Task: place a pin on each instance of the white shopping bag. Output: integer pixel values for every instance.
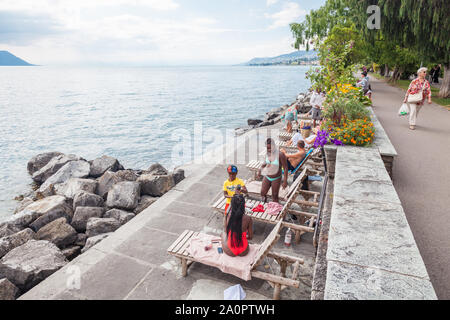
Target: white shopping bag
(404, 110)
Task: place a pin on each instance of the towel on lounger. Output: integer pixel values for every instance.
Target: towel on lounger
(237, 266)
(274, 208)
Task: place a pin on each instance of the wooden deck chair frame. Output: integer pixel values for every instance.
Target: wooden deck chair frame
(292, 187)
(179, 249)
(286, 136)
(299, 229)
(255, 165)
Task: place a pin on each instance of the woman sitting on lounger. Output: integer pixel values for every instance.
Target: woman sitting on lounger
(271, 170)
(238, 229)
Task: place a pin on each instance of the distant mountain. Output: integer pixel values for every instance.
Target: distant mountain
(8, 59)
(296, 57)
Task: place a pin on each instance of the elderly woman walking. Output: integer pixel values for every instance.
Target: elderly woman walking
(418, 91)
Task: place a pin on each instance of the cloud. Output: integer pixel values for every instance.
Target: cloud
(290, 12)
(22, 28)
(271, 2)
(60, 5)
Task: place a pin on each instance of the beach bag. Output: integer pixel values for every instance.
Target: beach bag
(305, 133)
(415, 98)
(404, 110)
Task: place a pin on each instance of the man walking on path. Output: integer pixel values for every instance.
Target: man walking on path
(421, 178)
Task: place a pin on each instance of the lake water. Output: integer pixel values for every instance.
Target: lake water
(127, 113)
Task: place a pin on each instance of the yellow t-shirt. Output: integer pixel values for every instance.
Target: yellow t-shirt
(230, 187)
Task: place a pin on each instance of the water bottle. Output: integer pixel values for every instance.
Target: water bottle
(288, 238)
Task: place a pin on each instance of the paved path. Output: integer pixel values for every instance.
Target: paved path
(421, 177)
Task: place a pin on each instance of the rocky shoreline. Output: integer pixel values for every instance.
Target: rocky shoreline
(275, 115)
(76, 204)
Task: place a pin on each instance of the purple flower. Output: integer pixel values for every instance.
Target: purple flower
(337, 142)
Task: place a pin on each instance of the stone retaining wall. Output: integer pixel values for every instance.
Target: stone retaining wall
(371, 252)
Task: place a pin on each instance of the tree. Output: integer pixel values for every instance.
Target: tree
(421, 26)
(413, 31)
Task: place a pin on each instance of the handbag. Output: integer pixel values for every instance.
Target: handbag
(417, 97)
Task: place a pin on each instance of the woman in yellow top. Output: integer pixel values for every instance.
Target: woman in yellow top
(232, 186)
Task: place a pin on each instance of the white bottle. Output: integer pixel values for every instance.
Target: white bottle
(288, 238)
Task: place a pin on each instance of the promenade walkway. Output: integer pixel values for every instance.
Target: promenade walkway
(133, 262)
(421, 177)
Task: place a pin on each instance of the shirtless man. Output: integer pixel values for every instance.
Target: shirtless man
(293, 160)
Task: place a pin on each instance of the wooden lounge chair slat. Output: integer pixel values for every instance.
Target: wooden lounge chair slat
(267, 244)
(275, 278)
(302, 213)
(285, 257)
(298, 227)
(184, 249)
(181, 243)
(217, 203)
(181, 237)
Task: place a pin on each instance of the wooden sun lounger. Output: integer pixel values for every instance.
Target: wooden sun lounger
(313, 161)
(299, 229)
(286, 136)
(279, 282)
(254, 188)
(284, 144)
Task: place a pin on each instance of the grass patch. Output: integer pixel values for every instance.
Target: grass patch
(404, 84)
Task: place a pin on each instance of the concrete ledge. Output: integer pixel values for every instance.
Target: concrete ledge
(371, 252)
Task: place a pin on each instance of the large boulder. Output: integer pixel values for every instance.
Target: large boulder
(105, 163)
(58, 232)
(38, 162)
(126, 175)
(23, 204)
(81, 240)
(265, 124)
(105, 183)
(71, 252)
(32, 262)
(124, 195)
(94, 240)
(83, 214)
(157, 169)
(74, 185)
(72, 169)
(7, 230)
(155, 186)
(86, 199)
(178, 176)
(45, 219)
(144, 203)
(8, 291)
(52, 167)
(15, 240)
(96, 226)
(253, 122)
(52, 206)
(120, 215)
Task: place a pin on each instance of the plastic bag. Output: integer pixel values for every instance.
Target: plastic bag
(404, 110)
(234, 293)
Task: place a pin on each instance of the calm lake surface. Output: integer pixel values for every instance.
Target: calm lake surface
(127, 113)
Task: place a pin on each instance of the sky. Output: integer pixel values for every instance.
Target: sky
(148, 32)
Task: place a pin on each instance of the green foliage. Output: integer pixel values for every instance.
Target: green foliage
(358, 132)
(412, 32)
(341, 108)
